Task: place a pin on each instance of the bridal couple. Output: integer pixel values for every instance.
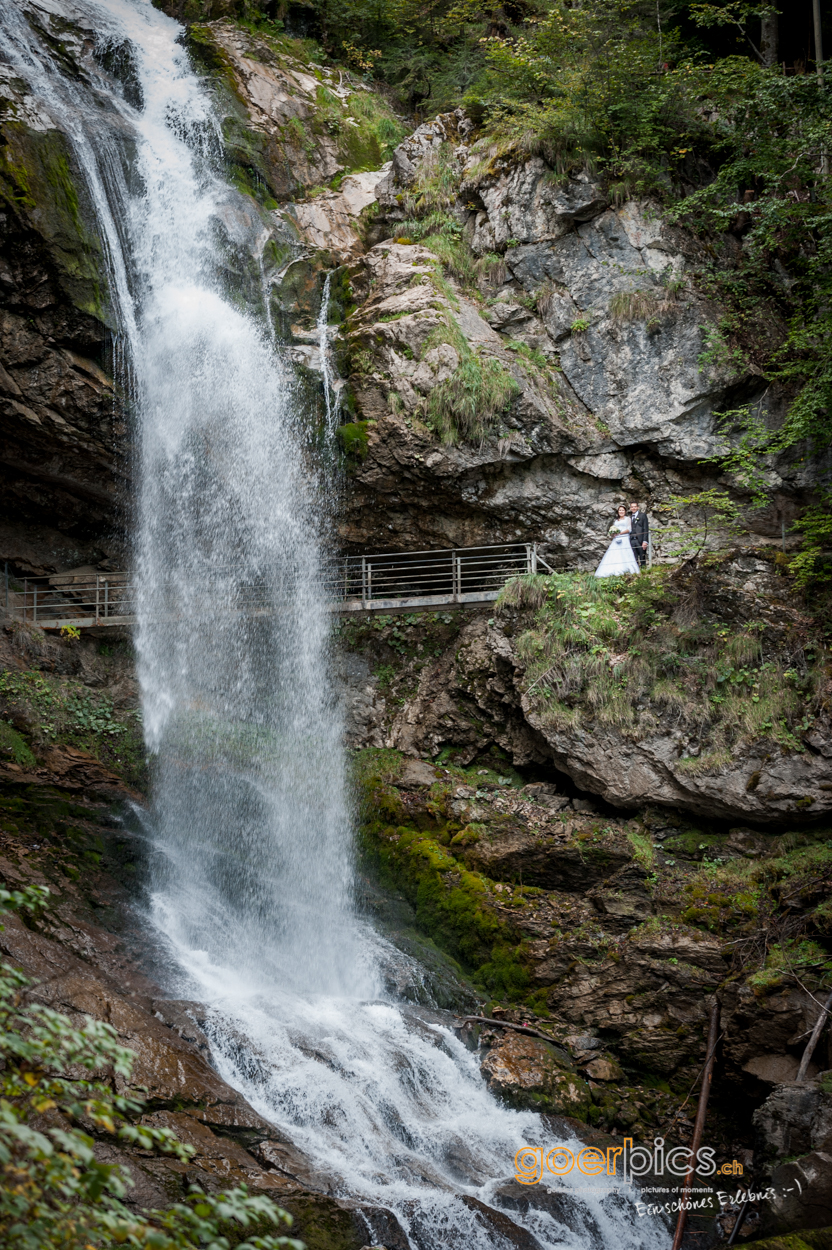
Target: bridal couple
(627, 553)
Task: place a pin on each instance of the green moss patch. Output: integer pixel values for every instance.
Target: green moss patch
(353, 439)
(38, 181)
(15, 747)
(451, 904)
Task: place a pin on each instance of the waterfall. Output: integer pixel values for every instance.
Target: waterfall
(331, 398)
(251, 824)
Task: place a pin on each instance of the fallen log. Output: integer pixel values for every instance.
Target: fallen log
(506, 1024)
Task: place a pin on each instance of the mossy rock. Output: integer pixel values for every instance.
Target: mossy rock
(353, 439)
(451, 904)
(322, 1224)
(527, 1072)
(15, 747)
(810, 1239)
(40, 182)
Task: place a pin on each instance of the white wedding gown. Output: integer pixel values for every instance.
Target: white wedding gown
(619, 557)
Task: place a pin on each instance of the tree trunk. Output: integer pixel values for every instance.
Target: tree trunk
(818, 38)
(769, 41)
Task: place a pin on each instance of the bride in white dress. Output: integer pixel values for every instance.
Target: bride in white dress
(618, 558)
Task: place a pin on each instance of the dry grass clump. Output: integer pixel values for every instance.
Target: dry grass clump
(529, 590)
(646, 306)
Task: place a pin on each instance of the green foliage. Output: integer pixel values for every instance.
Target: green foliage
(366, 131)
(14, 746)
(698, 520)
(529, 590)
(813, 563)
(353, 439)
(768, 146)
(722, 682)
(580, 86)
(66, 711)
(464, 406)
(53, 1190)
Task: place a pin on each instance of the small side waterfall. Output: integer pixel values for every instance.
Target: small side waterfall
(331, 398)
(251, 819)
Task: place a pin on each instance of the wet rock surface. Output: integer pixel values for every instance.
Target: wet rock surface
(65, 443)
(618, 974)
(82, 957)
(528, 1072)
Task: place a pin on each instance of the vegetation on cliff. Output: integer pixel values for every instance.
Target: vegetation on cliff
(40, 711)
(638, 652)
(694, 106)
(606, 934)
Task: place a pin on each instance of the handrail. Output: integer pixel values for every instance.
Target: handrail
(381, 581)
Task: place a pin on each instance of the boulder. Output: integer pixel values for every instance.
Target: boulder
(796, 1119)
(802, 1193)
(525, 1071)
(474, 696)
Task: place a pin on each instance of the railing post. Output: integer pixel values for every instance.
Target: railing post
(25, 597)
(454, 576)
(35, 606)
(97, 592)
(106, 598)
(7, 585)
(649, 551)
(369, 584)
(363, 581)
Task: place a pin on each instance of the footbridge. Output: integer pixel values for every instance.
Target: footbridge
(86, 598)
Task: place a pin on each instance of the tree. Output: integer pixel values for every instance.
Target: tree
(53, 1191)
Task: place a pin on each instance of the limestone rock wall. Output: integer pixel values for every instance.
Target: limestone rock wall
(597, 304)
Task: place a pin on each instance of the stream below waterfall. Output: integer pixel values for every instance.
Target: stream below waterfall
(252, 864)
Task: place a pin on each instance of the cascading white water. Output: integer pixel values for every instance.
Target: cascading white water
(331, 396)
(251, 821)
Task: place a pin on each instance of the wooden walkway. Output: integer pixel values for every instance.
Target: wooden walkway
(383, 582)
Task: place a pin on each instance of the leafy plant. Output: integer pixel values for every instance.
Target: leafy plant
(701, 518)
(722, 683)
(53, 1190)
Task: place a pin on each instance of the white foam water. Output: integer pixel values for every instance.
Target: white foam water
(251, 820)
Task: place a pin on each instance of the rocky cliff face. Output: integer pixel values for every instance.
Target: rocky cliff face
(607, 941)
(594, 310)
(650, 704)
(64, 447)
(288, 128)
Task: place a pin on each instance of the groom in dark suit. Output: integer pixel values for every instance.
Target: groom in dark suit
(639, 534)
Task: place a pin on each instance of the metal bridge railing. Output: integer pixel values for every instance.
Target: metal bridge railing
(385, 581)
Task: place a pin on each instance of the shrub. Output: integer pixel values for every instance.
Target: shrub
(464, 406)
(53, 1190)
